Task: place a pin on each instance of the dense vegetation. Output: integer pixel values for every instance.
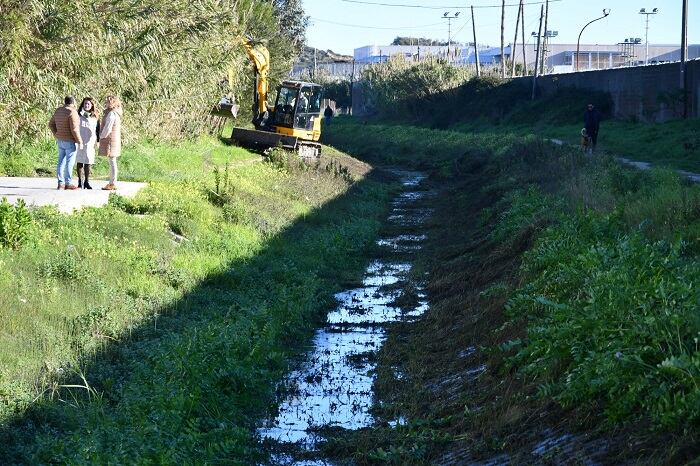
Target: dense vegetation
(416, 41)
(575, 274)
(154, 329)
(165, 58)
(401, 89)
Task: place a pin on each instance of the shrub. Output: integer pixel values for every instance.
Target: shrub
(15, 224)
(400, 88)
(65, 266)
(224, 190)
(612, 316)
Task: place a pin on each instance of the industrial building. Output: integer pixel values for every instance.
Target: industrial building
(559, 58)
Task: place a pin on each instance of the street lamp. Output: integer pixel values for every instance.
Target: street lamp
(449, 17)
(606, 12)
(646, 13)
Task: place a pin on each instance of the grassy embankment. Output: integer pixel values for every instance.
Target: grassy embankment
(124, 343)
(492, 106)
(572, 277)
(673, 144)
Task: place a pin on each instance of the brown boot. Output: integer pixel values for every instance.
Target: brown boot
(71, 187)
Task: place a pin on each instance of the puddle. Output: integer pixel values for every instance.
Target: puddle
(332, 385)
(466, 353)
(403, 242)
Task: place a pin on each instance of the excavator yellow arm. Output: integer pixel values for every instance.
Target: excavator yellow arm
(260, 57)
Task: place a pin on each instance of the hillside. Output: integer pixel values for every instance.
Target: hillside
(306, 58)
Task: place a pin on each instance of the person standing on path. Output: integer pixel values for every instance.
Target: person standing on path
(111, 137)
(65, 127)
(328, 115)
(591, 121)
(89, 129)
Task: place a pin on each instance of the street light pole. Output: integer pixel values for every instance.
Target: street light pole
(606, 12)
(646, 13)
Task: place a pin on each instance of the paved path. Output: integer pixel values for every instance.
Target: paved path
(694, 177)
(42, 191)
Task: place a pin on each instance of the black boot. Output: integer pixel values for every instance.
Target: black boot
(80, 180)
(86, 169)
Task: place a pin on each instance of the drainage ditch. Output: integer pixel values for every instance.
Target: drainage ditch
(331, 387)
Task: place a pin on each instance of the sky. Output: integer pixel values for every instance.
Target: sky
(343, 25)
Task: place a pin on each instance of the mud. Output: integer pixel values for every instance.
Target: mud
(332, 386)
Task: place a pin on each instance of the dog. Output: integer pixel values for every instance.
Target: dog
(586, 144)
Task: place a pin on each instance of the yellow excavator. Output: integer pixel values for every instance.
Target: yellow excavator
(294, 122)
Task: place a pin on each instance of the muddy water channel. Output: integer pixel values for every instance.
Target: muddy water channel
(332, 384)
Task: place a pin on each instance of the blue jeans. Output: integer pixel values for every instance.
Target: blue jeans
(66, 160)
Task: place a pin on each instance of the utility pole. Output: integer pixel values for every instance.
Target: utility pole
(646, 13)
(449, 17)
(537, 56)
(352, 85)
(684, 58)
(315, 69)
(449, 37)
(544, 48)
(476, 48)
(515, 41)
(523, 40)
(503, 56)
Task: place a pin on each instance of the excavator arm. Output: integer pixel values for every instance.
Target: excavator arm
(260, 57)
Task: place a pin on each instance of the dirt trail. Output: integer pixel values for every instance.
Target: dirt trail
(639, 165)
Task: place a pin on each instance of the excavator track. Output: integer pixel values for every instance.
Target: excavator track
(264, 140)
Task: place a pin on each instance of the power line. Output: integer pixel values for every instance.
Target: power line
(463, 25)
(403, 5)
(373, 27)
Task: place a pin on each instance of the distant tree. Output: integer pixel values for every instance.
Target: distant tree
(416, 41)
(292, 21)
(339, 91)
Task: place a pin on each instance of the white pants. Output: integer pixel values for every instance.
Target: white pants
(113, 171)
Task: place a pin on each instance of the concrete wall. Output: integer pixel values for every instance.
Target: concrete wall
(646, 93)
(649, 93)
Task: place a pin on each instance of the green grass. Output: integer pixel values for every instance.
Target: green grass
(601, 316)
(674, 144)
(179, 342)
(142, 161)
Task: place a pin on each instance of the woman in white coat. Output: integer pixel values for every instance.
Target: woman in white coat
(89, 133)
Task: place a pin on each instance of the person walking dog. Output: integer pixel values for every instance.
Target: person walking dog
(89, 130)
(65, 126)
(111, 137)
(591, 122)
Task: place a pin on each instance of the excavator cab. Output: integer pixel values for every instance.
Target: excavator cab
(293, 122)
(297, 110)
